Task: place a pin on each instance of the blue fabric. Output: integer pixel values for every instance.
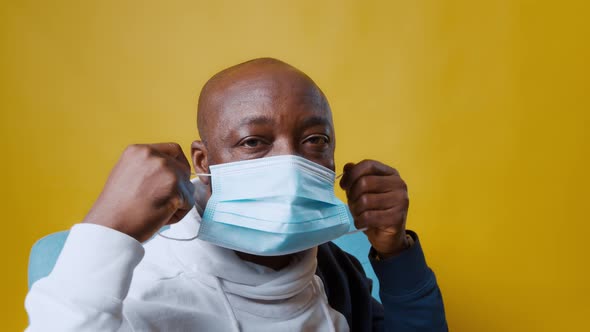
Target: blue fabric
(45, 252)
(273, 206)
(44, 255)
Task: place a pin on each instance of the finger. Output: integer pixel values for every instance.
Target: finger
(382, 201)
(171, 149)
(380, 218)
(347, 167)
(177, 216)
(174, 178)
(373, 184)
(182, 201)
(365, 167)
(186, 192)
(345, 170)
(181, 168)
(174, 151)
(181, 158)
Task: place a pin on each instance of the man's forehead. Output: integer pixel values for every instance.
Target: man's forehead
(266, 87)
(259, 86)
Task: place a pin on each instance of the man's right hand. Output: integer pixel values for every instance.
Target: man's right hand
(148, 188)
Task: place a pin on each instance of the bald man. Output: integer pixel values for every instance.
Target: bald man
(195, 277)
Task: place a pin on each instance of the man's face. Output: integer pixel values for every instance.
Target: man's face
(259, 112)
(274, 112)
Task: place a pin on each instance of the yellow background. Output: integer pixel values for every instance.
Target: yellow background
(482, 105)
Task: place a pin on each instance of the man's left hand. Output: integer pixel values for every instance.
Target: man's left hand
(378, 200)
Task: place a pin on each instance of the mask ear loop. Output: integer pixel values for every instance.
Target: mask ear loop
(177, 239)
(356, 231)
(191, 238)
(200, 174)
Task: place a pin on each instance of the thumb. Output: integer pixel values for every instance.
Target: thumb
(345, 180)
(347, 167)
(184, 202)
(187, 194)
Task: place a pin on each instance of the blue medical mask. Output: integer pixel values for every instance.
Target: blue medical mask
(273, 206)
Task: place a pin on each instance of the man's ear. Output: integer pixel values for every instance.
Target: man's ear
(200, 160)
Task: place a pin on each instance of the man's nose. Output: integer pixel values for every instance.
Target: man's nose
(284, 146)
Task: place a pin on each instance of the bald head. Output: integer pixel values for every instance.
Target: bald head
(262, 79)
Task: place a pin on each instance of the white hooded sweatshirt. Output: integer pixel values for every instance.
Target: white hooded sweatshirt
(101, 283)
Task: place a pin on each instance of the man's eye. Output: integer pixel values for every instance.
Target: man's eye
(252, 142)
(317, 139)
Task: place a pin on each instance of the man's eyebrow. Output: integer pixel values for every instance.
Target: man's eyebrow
(315, 120)
(255, 120)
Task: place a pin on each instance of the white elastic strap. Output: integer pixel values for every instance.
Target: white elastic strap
(196, 236)
(357, 230)
(175, 239)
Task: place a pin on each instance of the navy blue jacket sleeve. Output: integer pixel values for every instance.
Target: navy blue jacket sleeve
(410, 295)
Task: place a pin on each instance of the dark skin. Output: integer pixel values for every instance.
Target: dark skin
(258, 109)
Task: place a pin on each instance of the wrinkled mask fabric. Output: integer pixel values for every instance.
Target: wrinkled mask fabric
(273, 206)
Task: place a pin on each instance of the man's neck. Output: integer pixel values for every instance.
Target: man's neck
(274, 262)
